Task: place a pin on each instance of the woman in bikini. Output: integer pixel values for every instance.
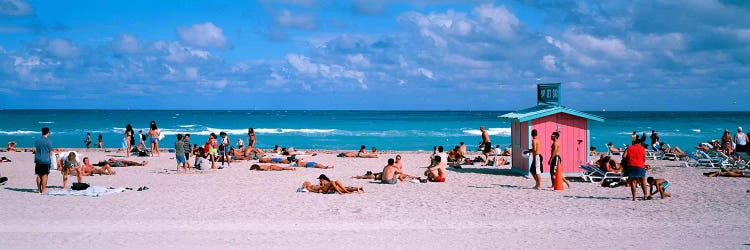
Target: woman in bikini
(154, 134)
(326, 186)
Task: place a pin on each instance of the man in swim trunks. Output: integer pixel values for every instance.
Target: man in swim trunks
(555, 159)
(660, 185)
(436, 172)
(42, 160)
(390, 175)
(312, 164)
(536, 160)
(487, 145)
(87, 169)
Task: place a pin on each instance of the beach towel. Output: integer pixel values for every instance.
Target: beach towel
(93, 191)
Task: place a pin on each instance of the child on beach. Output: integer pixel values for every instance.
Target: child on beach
(661, 187)
(179, 155)
(212, 145)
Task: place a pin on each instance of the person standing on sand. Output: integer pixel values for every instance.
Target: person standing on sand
(154, 134)
(635, 166)
(100, 142)
(188, 150)
(251, 138)
(654, 138)
(740, 141)
(536, 160)
(487, 145)
(42, 160)
(128, 140)
(179, 155)
(555, 160)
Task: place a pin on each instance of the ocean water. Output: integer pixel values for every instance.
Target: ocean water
(386, 130)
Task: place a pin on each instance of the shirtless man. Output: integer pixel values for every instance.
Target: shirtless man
(462, 148)
(436, 172)
(487, 145)
(391, 175)
(271, 167)
(536, 162)
(400, 167)
(555, 160)
(87, 169)
(329, 187)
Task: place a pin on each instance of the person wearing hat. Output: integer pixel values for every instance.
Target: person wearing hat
(740, 141)
(326, 186)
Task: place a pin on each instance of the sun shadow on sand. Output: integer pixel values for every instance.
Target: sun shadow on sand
(29, 190)
(492, 171)
(594, 197)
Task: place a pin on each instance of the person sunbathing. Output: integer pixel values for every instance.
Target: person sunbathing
(369, 175)
(608, 164)
(326, 186)
(251, 152)
(310, 164)
(87, 169)
(614, 150)
(235, 155)
(361, 153)
(11, 146)
(275, 160)
(291, 151)
(120, 163)
(436, 172)
(727, 173)
(271, 167)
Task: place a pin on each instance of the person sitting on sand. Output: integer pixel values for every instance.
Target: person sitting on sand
(87, 169)
(455, 156)
(727, 173)
(310, 164)
(436, 172)
(252, 153)
(326, 186)
(661, 187)
(11, 146)
(271, 167)
(286, 160)
(390, 175)
(614, 150)
(120, 163)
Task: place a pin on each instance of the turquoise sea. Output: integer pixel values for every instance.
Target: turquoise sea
(386, 130)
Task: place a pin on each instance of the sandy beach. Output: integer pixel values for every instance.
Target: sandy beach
(477, 208)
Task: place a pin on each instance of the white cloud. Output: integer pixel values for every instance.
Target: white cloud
(175, 52)
(358, 60)
(62, 48)
(126, 43)
(205, 35)
(499, 20)
(15, 8)
(302, 64)
(549, 63)
(192, 73)
(276, 80)
(286, 18)
(425, 72)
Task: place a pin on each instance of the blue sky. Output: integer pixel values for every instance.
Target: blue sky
(415, 55)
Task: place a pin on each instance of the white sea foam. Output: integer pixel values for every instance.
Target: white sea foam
(187, 126)
(243, 131)
(45, 122)
(19, 132)
(697, 130)
(490, 131)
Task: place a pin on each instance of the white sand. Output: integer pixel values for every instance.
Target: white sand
(479, 207)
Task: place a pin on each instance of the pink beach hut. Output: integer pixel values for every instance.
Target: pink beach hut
(547, 117)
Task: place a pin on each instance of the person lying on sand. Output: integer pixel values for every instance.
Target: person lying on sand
(87, 169)
(361, 153)
(251, 152)
(369, 175)
(291, 151)
(727, 173)
(275, 160)
(271, 167)
(326, 186)
(120, 163)
(310, 164)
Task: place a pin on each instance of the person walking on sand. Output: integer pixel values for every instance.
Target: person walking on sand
(487, 145)
(536, 160)
(42, 160)
(128, 139)
(154, 134)
(188, 150)
(555, 160)
(635, 166)
(251, 138)
(179, 155)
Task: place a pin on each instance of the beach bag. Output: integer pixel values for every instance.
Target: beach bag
(79, 186)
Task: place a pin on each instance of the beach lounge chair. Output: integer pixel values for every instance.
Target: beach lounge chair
(701, 159)
(609, 152)
(594, 174)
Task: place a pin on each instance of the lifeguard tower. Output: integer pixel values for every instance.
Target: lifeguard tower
(547, 117)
